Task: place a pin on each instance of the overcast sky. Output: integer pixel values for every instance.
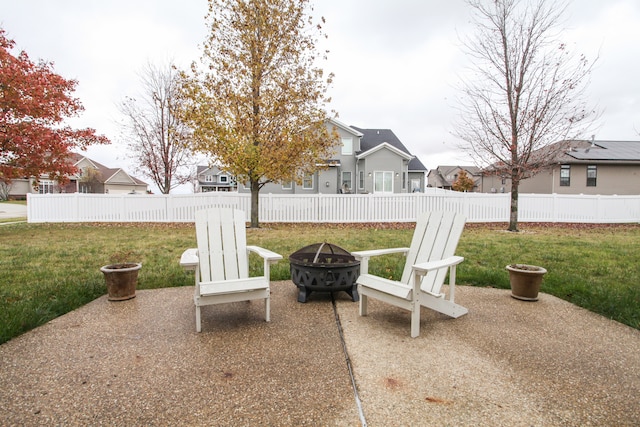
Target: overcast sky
(396, 62)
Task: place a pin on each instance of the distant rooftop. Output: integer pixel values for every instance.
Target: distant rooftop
(373, 137)
(607, 150)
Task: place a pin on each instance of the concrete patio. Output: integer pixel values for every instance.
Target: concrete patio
(140, 362)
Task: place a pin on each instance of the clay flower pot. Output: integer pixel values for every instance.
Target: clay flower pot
(121, 280)
(525, 281)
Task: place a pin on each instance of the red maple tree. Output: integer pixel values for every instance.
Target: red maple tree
(34, 102)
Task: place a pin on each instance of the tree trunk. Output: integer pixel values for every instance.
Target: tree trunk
(255, 198)
(513, 214)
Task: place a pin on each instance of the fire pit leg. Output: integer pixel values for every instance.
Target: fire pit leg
(353, 293)
(303, 294)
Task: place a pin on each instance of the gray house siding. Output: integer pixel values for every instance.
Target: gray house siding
(613, 166)
(373, 151)
(380, 165)
(213, 179)
(610, 179)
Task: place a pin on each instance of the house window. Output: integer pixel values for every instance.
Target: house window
(404, 181)
(307, 182)
(208, 178)
(46, 186)
(287, 185)
(592, 175)
(224, 179)
(346, 182)
(361, 180)
(383, 182)
(347, 146)
(565, 175)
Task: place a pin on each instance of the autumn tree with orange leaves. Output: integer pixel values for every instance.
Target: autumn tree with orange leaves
(463, 182)
(257, 103)
(34, 102)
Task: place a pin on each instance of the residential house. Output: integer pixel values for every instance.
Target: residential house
(584, 167)
(365, 161)
(93, 177)
(212, 178)
(444, 177)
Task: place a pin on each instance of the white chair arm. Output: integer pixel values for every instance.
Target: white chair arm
(376, 252)
(363, 256)
(425, 267)
(268, 255)
(189, 259)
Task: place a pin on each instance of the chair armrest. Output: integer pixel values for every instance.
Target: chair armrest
(189, 259)
(265, 253)
(363, 256)
(425, 267)
(376, 252)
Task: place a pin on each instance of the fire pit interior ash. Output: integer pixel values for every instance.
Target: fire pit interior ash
(324, 267)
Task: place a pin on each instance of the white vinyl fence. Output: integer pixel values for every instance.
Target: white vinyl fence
(333, 208)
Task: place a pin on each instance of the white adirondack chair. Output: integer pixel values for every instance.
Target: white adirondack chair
(221, 262)
(429, 258)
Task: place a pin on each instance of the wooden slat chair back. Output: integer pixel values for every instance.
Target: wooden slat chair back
(221, 262)
(429, 258)
(222, 245)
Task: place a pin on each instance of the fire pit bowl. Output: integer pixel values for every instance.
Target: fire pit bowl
(324, 267)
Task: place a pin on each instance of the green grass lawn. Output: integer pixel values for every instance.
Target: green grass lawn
(49, 269)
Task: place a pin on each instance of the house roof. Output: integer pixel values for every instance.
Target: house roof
(416, 165)
(372, 138)
(445, 170)
(387, 146)
(603, 150)
(106, 173)
(442, 172)
(345, 127)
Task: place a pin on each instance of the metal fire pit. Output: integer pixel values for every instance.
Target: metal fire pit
(324, 267)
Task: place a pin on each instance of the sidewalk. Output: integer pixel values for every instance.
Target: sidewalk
(12, 210)
(140, 362)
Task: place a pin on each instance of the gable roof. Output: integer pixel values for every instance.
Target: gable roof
(372, 138)
(383, 146)
(415, 165)
(210, 170)
(446, 170)
(106, 173)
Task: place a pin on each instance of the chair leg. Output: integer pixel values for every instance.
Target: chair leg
(363, 305)
(267, 309)
(198, 321)
(415, 321)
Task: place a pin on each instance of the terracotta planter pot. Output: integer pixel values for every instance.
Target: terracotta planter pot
(121, 280)
(525, 281)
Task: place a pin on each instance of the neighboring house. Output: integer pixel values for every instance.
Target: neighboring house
(93, 177)
(445, 176)
(365, 161)
(584, 167)
(211, 178)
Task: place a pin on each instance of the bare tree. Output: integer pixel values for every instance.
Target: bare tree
(258, 108)
(91, 180)
(159, 139)
(526, 90)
